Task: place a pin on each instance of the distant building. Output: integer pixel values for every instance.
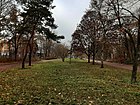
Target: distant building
(7, 47)
(4, 48)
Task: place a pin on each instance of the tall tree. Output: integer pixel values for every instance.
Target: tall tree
(102, 17)
(13, 29)
(86, 34)
(119, 10)
(38, 16)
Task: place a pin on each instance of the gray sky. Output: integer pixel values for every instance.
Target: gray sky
(67, 14)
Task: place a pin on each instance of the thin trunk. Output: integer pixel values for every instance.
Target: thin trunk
(9, 50)
(88, 58)
(93, 58)
(102, 57)
(30, 55)
(88, 54)
(31, 46)
(127, 48)
(93, 54)
(40, 53)
(15, 47)
(16, 51)
(70, 58)
(29, 41)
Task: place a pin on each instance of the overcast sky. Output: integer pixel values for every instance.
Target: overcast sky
(67, 14)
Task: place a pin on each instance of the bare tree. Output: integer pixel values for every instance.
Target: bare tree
(119, 11)
(61, 50)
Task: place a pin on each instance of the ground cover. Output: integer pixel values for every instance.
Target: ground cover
(58, 83)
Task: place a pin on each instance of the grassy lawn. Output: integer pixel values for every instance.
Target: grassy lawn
(57, 83)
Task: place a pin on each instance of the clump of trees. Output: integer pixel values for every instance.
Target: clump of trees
(109, 30)
(23, 23)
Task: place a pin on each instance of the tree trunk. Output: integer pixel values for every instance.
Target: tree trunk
(23, 61)
(93, 53)
(15, 47)
(102, 58)
(88, 58)
(70, 58)
(15, 41)
(9, 48)
(135, 65)
(136, 53)
(102, 64)
(134, 72)
(29, 41)
(30, 55)
(63, 59)
(93, 58)
(16, 51)
(128, 48)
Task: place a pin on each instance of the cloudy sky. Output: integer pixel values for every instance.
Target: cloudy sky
(67, 14)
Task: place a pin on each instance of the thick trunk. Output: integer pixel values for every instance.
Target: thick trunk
(63, 59)
(88, 58)
(23, 61)
(134, 71)
(135, 60)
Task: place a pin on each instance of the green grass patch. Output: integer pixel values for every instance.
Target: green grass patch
(58, 83)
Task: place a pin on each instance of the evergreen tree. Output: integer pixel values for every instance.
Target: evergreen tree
(37, 17)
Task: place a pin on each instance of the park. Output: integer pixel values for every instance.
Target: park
(54, 82)
(98, 65)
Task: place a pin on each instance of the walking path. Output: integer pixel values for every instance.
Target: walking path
(6, 66)
(118, 65)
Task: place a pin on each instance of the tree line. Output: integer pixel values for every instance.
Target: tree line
(27, 27)
(110, 30)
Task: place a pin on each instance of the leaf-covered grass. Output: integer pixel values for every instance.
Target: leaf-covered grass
(58, 83)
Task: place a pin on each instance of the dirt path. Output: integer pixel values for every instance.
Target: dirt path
(118, 65)
(6, 66)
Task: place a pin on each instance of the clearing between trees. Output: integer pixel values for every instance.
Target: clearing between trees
(57, 83)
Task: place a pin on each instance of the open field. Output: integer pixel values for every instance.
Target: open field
(58, 83)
